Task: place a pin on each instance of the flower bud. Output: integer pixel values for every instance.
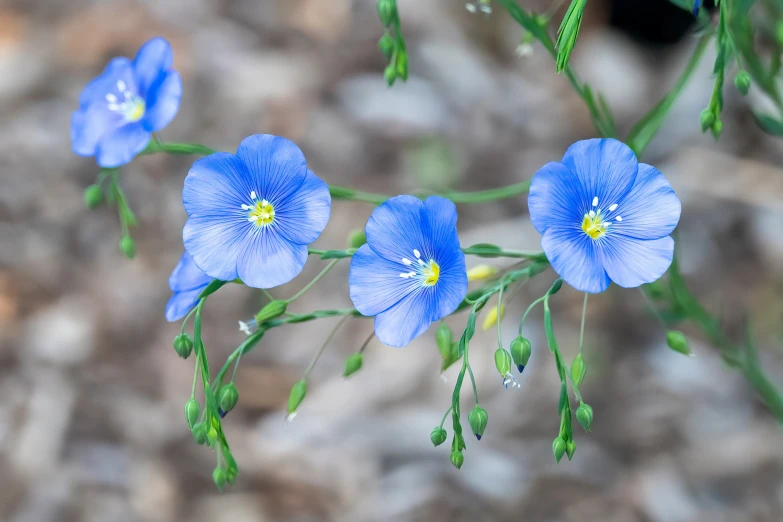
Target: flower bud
(478, 421)
(678, 342)
(183, 345)
(93, 196)
(128, 247)
(558, 448)
(402, 64)
(227, 397)
(578, 370)
(717, 128)
(212, 436)
(556, 286)
(390, 74)
(451, 357)
(779, 32)
(192, 409)
(706, 119)
(742, 82)
(503, 361)
(492, 318)
(219, 477)
(584, 414)
(387, 10)
(386, 45)
(570, 448)
(298, 392)
(352, 364)
(443, 338)
(520, 352)
(457, 458)
(438, 436)
(271, 310)
(200, 432)
(357, 238)
(481, 272)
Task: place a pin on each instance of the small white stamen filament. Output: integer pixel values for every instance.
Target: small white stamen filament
(406, 261)
(252, 194)
(246, 207)
(619, 218)
(591, 213)
(613, 207)
(416, 253)
(595, 201)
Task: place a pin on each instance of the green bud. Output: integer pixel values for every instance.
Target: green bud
(298, 392)
(402, 64)
(183, 345)
(457, 458)
(706, 119)
(779, 32)
(200, 432)
(503, 361)
(478, 421)
(386, 45)
(387, 11)
(192, 409)
(584, 414)
(558, 448)
(212, 435)
(443, 337)
(219, 477)
(566, 35)
(390, 74)
(227, 397)
(570, 448)
(520, 352)
(578, 370)
(678, 342)
(742, 82)
(271, 310)
(556, 286)
(128, 246)
(717, 128)
(438, 436)
(451, 357)
(93, 196)
(357, 238)
(352, 364)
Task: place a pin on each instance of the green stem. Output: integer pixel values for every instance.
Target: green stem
(445, 416)
(582, 328)
(185, 321)
(320, 351)
(367, 341)
(481, 251)
(246, 346)
(317, 278)
(500, 314)
(267, 294)
(195, 376)
(529, 308)
(472, 378)
(156, 146)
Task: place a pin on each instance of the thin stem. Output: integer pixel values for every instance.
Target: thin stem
(323, 347)
(652, 308)
(236, 366)
(267, 294)
(185, 321)
(500, 315)
(195, 376)
(482, 251)
(317, 278)
(472, 378)
(479, 196)
(529, 308)
(367, 341)
(445, 415)
(582, 328)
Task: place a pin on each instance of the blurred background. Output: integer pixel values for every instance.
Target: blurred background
(91, 391)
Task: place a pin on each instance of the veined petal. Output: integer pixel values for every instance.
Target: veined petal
(217, 185)
(187, 276)
(632, 262)
(215, 241)
(651, 209)
(117, 69)
(276, 166)
(574, 256)
(556, 197)
(91, 124)
(163, 102)
(302, 216)
(374, 282)
(122, 145)
(269, 260)
(153, 60)
(406, 320)
(181, 303)
(394, 230)
(606, 169)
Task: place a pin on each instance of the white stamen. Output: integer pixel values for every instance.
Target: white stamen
(264, 202)
(404, 275)
(591, 213)
(619, 218)
(121, 85)
(470, 7)
(416, 253)
(290, 416)
(246, 207)
(114, 107)
(253, 219)
(252, 194)
(421, 263)
(613, 207)
(486, 9)
(406, 261)
(111, 98)
(265, 215)
(246, 328)
(595, 201)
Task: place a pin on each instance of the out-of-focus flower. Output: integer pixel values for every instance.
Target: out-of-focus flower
(187, 282)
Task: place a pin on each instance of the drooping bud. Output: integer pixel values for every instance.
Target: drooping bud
(706, 119)
(451, 357)
(570, 448)
(457, 458)
(478, 421)
(402, 64)
(271, 310)
(742, 82)
(502, 361)
(357, 237)
(227, 397)
(481, 272)
(584, 414)
(558, 448)
(779, 32)
(387, 11)
(93, 196)
(444, 337)
(297, 395)
(438, 436)
(556, 286)
(578, 370)
(212, 436)
(492, 318)
(200, 432)
(390, 74)
(352, 364)
(678, 342)
(183, 345)
(128, 247)
(192, 409)
(219, 478)
(717, 128)
(520, 352)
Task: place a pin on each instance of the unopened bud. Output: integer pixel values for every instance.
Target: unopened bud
(438, 436)
(558, 448)
(520, 352)
(717, 128)
(493, 317)
(93, 196)
(502, 361)
(443, 338)
(183, 345)
(478, 421)
(387, 10)
(584, 414)
(570, 448)
(297, 395)
(578, 370)
(678, 342)
(390, 74)
(451, 357)
(212, 436)
(219, 477)
(357, 238)
(200, 432)
(128, 247)
(457, 458)
(386, 45)
(271, 310)
(481, 272)
(779, 32)
(227, 397)
(742, 82)
(352, 364)
(402, 64)
(706, 119)
(192, 409)
(556, 286)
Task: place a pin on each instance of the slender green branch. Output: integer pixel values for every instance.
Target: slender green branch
(320, 351)
(445, 416)
(317, 278)
(156, 146)
(582, 328)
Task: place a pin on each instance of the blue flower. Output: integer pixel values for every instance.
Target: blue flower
(187, 282)
(120, 109)
(604, 216)
(411, 272)
(252, 215)
(696, 6)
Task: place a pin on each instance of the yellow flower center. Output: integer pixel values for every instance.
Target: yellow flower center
(131, 106)
(427, 273)
(135, 110)
(431, 273)
(596, 222)
(261, 212)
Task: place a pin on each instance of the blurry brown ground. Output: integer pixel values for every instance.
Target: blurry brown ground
(91, 392)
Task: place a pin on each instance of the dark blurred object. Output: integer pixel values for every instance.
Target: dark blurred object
(653, 22)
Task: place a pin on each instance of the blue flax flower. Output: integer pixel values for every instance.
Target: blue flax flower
(696, 6)
(187, 282)
(120, 109)
(604, 216)
(252, 215)
(411, 272)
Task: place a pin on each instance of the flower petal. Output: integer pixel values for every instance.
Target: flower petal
(632, 262)
(406, 320)
(269, 260)
(181, 303)
(606, 169)
(374, 282)
(117, 69)
(152, 61)
(187, 276)
(122, 145)
(163, 102)
(276, 166)
(215, 242)
(556, 197)
(217, 185)
(574, 257)
(89, 125)
(302, 217)
(394, 230)
(651, 209)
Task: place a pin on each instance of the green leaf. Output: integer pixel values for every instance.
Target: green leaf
(484, 250)
(769, 124)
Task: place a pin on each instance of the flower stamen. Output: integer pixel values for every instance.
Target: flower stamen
(262, 212)
(427, 272)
